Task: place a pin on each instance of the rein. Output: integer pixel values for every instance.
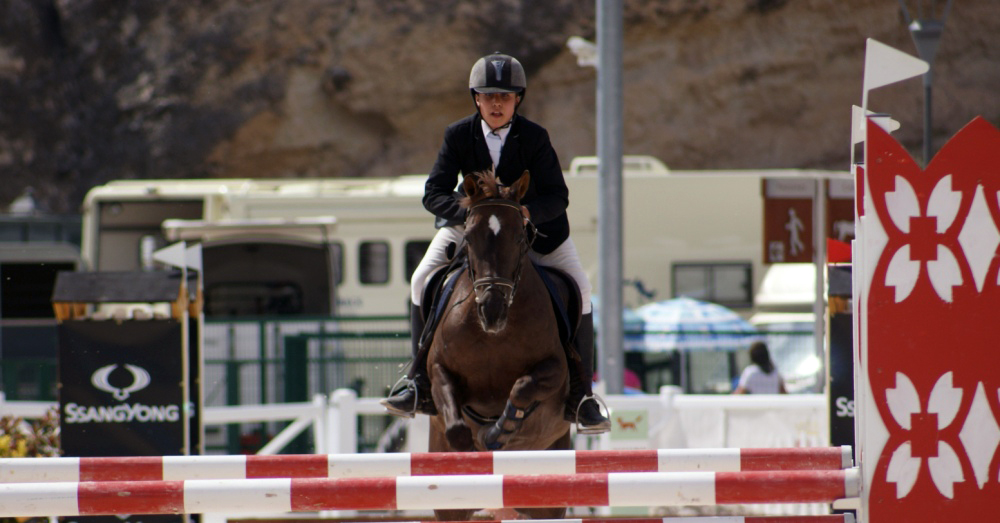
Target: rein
(484, 284)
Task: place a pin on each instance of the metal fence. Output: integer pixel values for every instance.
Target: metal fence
(278, 360)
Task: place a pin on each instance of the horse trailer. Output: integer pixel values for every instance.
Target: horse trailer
(347, 247)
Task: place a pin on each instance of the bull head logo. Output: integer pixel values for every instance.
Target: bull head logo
(140, 380)
(498, 69)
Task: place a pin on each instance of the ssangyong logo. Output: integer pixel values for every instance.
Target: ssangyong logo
(140, 380)
(124, 412)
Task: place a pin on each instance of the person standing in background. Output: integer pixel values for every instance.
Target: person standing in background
(760, 377)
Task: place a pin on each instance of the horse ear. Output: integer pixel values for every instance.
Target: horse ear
(521, 185)
(470, 185)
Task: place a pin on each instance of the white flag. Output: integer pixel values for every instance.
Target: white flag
(174, 255)
(193, 257)
(885, 65)
(858, 123)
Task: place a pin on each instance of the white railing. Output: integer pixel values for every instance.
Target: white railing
(666, 420)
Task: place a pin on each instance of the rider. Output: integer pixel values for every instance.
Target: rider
(497, 137)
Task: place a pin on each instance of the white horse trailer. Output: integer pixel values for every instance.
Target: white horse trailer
(347, 246)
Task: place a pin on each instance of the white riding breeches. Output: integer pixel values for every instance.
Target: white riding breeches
(564, 258)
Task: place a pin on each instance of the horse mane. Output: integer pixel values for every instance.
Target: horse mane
(489, 187)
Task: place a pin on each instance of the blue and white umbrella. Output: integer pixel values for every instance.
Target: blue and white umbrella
(632, 326)
(687, 324)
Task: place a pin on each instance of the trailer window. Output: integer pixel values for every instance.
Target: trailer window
(727, 284)
(257, 277)
(373, 262)
(253, 299)
(415, 250)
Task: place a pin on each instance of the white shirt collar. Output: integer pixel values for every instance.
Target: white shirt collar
(495, 141)
(502, 133)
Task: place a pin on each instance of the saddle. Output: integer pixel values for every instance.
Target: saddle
(563, 291)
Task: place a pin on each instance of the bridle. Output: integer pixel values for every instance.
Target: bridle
(484, 284)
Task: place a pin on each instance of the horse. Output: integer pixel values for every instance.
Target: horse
(497, 364)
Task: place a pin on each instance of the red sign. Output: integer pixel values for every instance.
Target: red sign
(788, 217)
(930, 355)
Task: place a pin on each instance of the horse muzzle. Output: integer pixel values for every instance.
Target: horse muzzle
(494, 296)
(492, 306)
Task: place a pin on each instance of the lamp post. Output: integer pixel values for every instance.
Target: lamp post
(926, 32)
(606, 56)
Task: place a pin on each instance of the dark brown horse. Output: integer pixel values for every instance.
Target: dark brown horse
(497, 365)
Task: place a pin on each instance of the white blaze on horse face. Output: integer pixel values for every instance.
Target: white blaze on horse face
(494, 224)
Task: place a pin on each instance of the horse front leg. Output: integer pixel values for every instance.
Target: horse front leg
(544, 380)
(445, 394)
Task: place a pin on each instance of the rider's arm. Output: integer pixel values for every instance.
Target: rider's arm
(551, 194)
(439, 190)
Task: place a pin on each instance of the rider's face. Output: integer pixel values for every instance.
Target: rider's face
(496, 108)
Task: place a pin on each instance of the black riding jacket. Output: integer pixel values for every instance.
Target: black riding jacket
(527, 147)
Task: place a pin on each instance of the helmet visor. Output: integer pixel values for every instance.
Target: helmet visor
(488, 90)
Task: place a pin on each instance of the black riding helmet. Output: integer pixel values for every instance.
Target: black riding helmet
(497, 73)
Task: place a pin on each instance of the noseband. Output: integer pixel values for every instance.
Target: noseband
(484, 284)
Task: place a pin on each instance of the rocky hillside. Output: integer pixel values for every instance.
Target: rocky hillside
(95, 90)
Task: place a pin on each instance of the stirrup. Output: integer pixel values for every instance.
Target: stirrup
(407, 384)
(593, 429)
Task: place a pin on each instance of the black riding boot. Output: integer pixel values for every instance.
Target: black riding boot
(415, 394)
(582, 406)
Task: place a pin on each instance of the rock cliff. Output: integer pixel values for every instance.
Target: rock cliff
(95, 90)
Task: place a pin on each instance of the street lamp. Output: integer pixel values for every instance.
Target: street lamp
(926, 32)
(608, 53)
(584, 50)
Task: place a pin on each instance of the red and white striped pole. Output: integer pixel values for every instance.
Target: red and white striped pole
(825, 518)
(178, 468)
(425, 492)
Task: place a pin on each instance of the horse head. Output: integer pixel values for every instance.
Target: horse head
(496, 242)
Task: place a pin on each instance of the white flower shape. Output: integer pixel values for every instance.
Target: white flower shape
(942, 266)
(945, 467)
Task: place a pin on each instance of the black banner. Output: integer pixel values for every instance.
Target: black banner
(841, 357)
(121, 388)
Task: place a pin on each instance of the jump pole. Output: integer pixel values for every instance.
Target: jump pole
(425, 492)
(826, 518)
(179, 468)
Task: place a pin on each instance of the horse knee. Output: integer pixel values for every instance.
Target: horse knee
(459, 436)
(524, 391)
(545, 379)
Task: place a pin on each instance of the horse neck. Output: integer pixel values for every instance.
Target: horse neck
(531, 286)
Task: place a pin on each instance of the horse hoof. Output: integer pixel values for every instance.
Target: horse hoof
(459, 436)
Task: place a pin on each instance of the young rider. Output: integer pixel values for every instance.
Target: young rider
(497, 137)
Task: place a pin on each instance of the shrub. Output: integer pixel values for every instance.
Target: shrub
(38, 438)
